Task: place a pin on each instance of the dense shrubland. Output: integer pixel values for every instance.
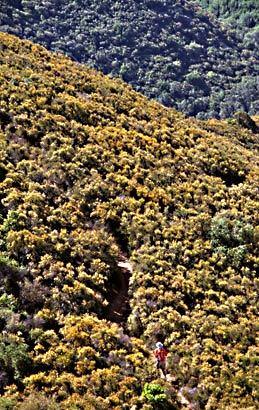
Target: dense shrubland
(169, 50)
(89, 169)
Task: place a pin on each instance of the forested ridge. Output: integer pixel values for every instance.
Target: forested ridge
(169, 50)
(90, 172)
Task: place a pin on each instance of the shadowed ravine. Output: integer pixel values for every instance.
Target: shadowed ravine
(118, 309)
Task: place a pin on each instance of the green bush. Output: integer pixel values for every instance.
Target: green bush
(230, 233)
(231, 238)
(154, 393)
(14, 357)
(7, 404)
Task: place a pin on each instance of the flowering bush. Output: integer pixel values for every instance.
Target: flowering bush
(95, 174)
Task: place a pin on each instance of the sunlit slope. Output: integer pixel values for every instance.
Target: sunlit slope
(92, 172)
(243, 15)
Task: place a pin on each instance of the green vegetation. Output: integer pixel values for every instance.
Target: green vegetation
(169, 50)
(243, 15)
(155, 394)
(92, 171)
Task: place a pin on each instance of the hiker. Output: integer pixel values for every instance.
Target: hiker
(160, 354)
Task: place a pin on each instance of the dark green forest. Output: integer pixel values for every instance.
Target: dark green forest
(94, 175)
(241, 14)
(172, 51)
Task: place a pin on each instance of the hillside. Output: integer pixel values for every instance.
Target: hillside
(93, 178)
(243, 15)
(170, 51)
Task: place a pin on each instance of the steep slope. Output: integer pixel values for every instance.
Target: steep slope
(169, 50)
(243, 15)
(90, 171)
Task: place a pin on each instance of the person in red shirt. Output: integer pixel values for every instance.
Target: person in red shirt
(160, 354)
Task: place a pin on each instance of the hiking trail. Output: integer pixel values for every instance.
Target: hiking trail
(118, 309)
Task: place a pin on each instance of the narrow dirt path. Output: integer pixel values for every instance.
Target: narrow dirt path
(118, 309)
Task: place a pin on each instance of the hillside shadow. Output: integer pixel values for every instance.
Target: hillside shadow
(118, 309)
